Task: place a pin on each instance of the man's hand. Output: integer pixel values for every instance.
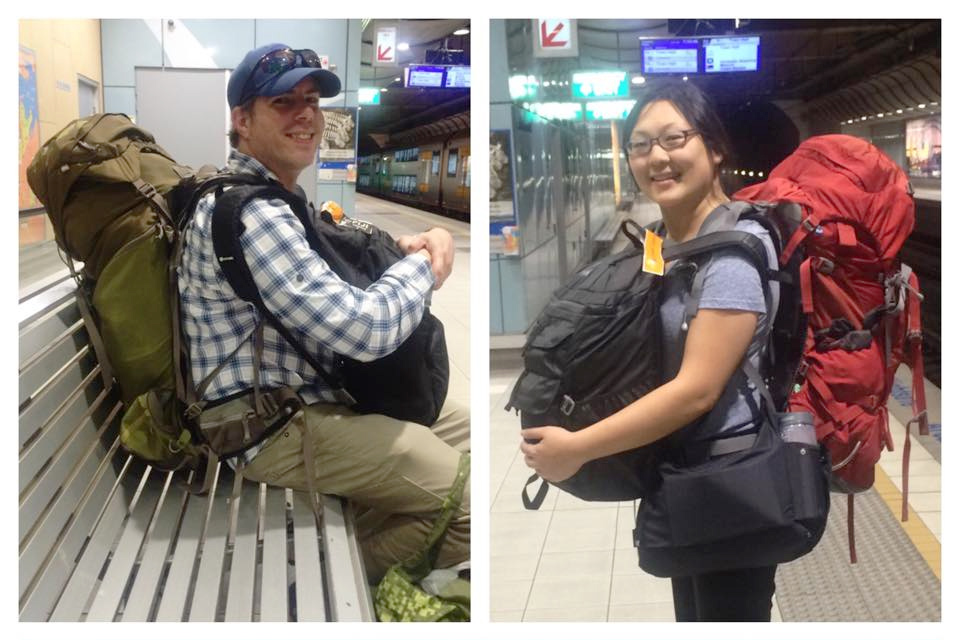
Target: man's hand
(437, 244)
(552, 452)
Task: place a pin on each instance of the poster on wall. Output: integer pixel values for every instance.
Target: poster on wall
(923, 147)
(337, 152)
(504, 232)
(29, 124)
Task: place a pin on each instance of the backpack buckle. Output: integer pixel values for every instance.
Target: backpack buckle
(194, 410)
(567, 406)
(825, 266)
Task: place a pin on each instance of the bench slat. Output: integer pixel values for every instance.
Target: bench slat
(73, 600)
(37, 333)
(243, 567)
(347, 596)
(47, 361)
(56, 398)
(49, 557)
(68, 472)
(107, 600)
(204, 605)
(49, 460)
(173, 602)
(42, 522)
(273, 582)
(311, 605)
(156, 548)
(56, 436)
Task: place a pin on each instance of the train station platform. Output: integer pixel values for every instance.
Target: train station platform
(574, 560)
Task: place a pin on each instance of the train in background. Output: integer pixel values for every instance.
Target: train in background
(432, 175)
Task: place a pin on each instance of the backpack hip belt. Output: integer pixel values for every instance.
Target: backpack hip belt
(234, 425)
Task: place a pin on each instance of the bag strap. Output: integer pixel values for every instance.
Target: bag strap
(423, 564)
(536, 501)
(226, 228)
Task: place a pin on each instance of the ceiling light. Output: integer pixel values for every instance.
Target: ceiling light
(383, 90)
(760, 174)
(863, 118)
(879, 115)
(849, 121)
(684, 78)
(403, 46)
(638, 80)
(899, 110)
(461, 32)
(922, 106)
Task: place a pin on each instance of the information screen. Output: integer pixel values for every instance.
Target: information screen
(670, 56)
(457, 78)
(722, 55)
(425, 76)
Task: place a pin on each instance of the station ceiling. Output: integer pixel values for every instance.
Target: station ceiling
(846, 66)
(410, 113)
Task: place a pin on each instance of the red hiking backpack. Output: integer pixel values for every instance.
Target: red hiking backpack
(861, 303)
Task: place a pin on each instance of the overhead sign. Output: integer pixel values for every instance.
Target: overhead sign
(608, 109)
(385, 47)
(555, 38)
(600, 84)
(556, 110)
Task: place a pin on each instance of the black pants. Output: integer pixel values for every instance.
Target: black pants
(744, 595)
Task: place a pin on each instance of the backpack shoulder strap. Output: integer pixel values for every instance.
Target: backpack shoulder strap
(226, 228)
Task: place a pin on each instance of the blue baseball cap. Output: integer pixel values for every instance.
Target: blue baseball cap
(274, 69)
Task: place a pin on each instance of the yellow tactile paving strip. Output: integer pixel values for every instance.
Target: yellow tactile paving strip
(922, 538)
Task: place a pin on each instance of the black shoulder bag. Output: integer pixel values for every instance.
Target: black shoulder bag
(409, 384)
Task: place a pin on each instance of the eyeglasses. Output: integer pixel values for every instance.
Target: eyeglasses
(668, 142)
(275, 63)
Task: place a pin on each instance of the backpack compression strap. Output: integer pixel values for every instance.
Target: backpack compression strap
(226, 229)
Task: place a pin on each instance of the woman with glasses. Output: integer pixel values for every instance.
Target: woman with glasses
(675, 146)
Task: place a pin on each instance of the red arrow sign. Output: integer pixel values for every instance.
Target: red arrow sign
(384, 54)
(549, 40)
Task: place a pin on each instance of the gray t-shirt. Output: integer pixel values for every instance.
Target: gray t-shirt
(730, 282)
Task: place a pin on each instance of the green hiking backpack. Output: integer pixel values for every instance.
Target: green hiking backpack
(115, 199)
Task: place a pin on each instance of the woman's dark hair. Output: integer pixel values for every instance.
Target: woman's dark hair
(693, 104)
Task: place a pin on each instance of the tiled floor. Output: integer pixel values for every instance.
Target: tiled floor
(574, 561)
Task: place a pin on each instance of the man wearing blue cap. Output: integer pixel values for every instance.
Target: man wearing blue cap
(398, 472)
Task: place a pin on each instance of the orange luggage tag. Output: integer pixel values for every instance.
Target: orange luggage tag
(653, 253)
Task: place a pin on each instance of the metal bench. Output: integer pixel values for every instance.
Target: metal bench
(105, 537)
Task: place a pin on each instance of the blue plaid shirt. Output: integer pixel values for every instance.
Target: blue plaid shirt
(327, 314)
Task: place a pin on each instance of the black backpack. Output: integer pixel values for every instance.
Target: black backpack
(595, 348)
(409, 384)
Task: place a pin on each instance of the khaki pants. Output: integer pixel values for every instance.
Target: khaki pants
(397, 473)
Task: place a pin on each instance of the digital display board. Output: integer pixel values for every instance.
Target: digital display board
(426, 76)
(670, 56)
(721, 55)
(457, 78)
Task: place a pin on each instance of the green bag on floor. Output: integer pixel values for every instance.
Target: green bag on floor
(399, 598)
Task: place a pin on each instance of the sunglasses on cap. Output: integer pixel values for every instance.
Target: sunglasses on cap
(276, 63)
